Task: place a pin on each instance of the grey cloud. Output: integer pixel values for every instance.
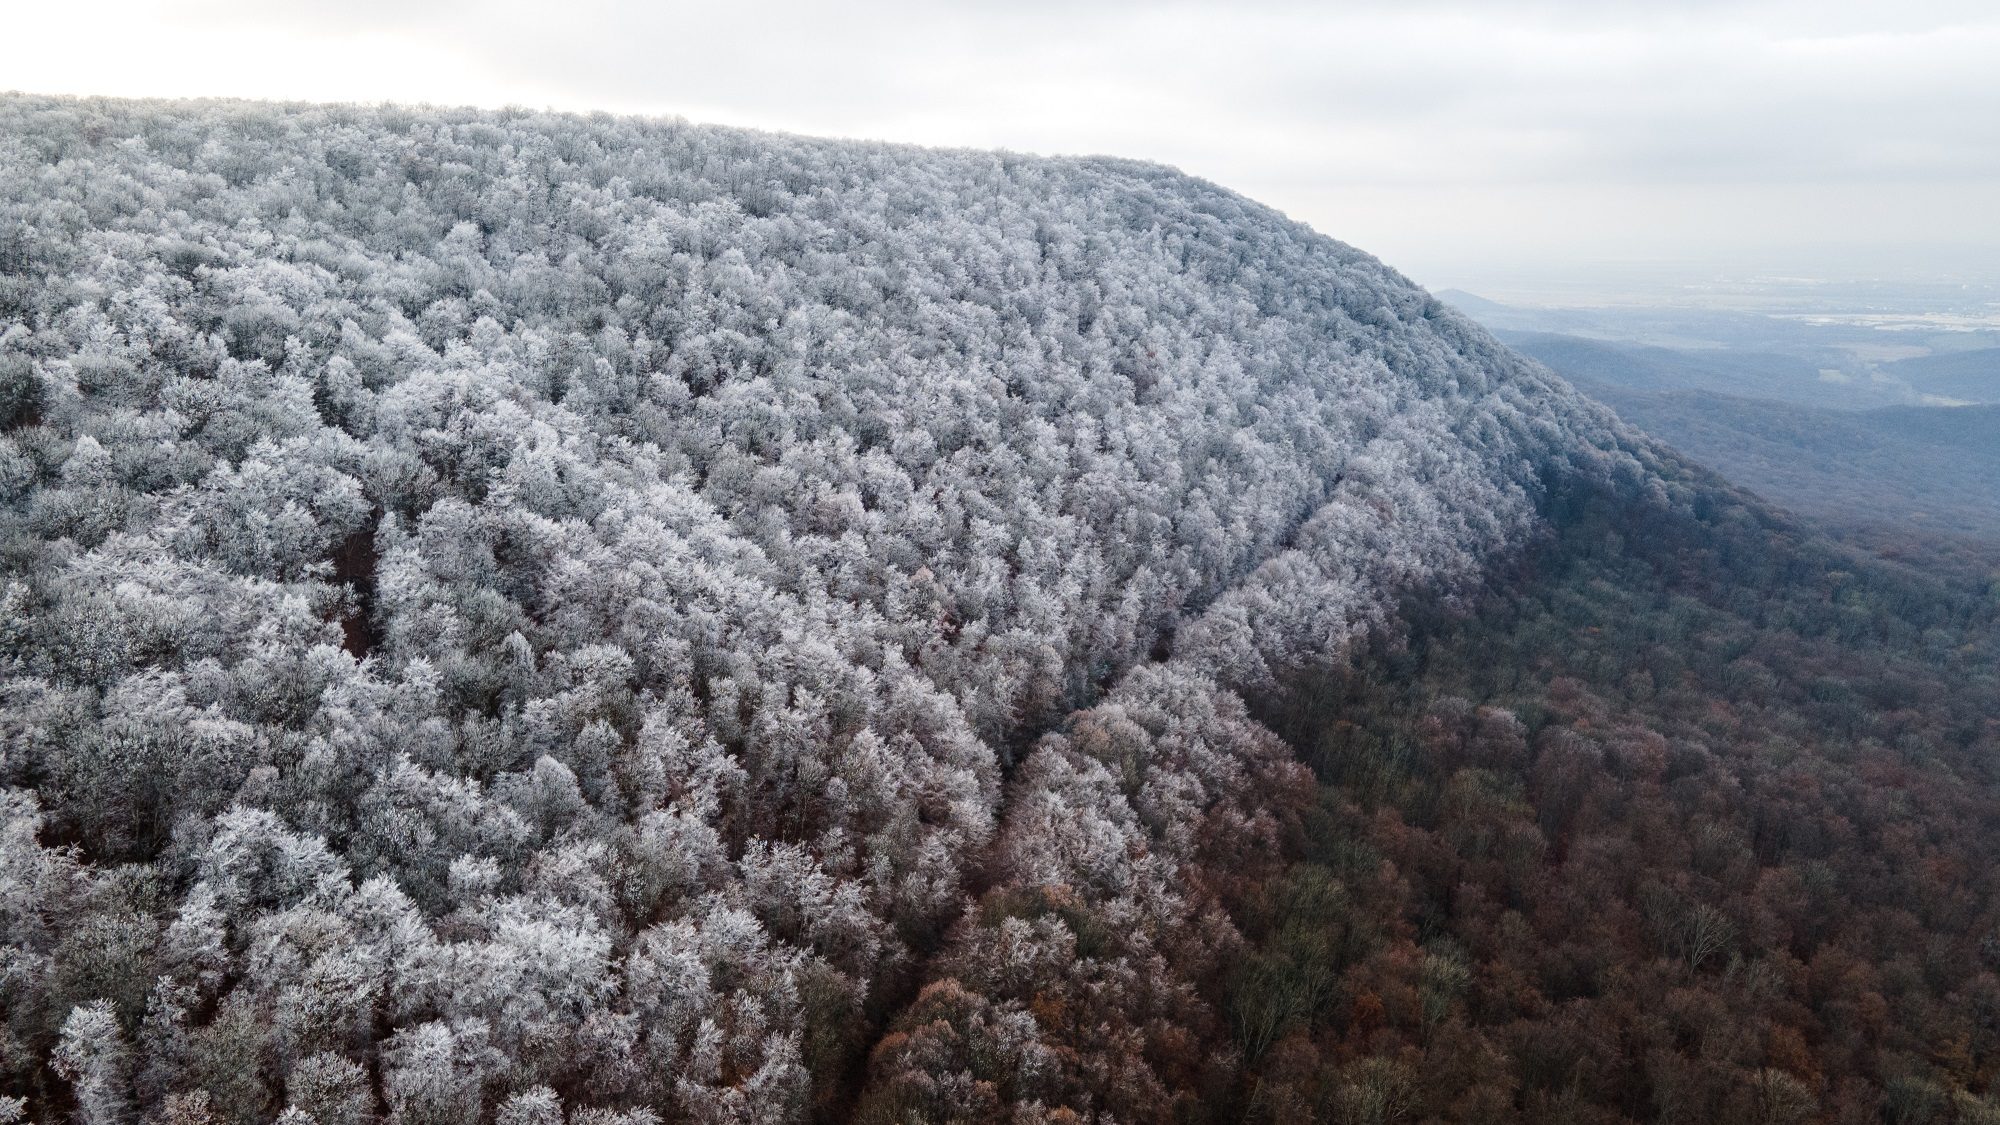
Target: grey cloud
(1623, 99)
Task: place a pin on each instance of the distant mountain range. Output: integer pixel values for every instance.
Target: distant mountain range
(1972, 376)
(1911, 443)
(1937, 468)
(1750, 374)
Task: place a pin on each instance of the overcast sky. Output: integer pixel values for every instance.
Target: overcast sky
(1458, 141)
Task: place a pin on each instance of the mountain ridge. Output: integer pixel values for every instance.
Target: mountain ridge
(601, 550)
(540, 619)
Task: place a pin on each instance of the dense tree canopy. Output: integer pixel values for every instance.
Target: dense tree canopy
(524, 619)
(1689, 819)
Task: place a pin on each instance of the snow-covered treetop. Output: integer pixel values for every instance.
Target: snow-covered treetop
(537, 572)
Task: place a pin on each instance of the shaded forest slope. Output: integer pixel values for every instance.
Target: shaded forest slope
(1687, 815)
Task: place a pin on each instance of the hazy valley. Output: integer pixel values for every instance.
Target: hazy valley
(1861, 420)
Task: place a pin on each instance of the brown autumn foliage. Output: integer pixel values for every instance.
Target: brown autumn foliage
(1687, 819)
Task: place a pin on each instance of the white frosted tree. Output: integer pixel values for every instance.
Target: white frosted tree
(95, 1060)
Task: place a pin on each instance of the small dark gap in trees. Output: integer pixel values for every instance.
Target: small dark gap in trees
(354, 564)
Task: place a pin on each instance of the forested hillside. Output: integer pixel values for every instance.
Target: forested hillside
(1684, 817)
(1764, 376)
(1970, 376)
(1826, 449)
(1912, 471)
(536, 619)
(513, 614)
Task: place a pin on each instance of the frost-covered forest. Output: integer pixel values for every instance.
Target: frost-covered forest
(523, 618)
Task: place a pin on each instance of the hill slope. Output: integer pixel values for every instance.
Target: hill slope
(534, 619)
(1681, 817)
(1900, 468)
(1744, 374)
(502, 604)
(1936, 469)
(1972, 376)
